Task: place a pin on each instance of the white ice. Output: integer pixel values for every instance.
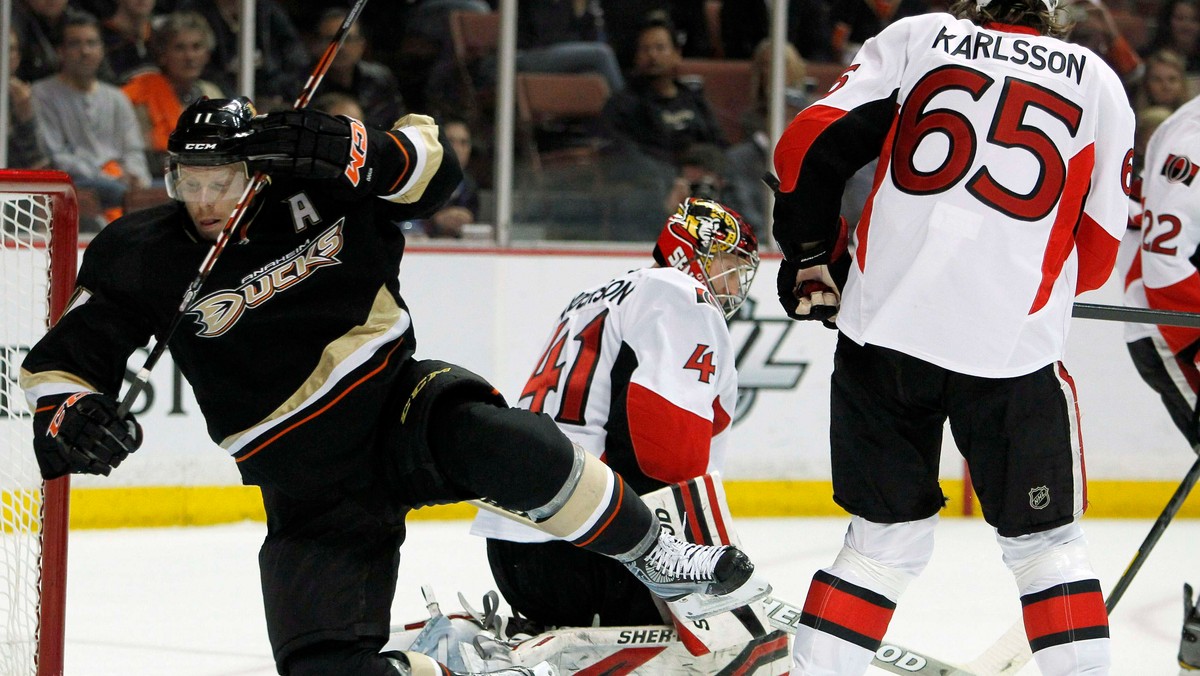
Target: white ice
(186, 601)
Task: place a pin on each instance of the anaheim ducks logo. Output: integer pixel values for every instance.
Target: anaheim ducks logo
(218, 312)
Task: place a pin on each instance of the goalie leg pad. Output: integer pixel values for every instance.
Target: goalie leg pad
(1061, 601)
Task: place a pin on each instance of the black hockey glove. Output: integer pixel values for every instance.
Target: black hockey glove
(81, 433)
(305, 144)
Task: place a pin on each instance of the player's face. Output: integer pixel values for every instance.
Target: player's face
(210, 194)
(723, 274)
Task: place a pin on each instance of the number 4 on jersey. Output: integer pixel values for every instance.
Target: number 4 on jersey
(701, 361)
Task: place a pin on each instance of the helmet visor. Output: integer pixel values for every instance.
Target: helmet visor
(207, 184)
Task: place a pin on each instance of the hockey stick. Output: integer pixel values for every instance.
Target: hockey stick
(1138, 315)
(257, 183)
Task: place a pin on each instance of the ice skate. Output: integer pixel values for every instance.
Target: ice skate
(1189, 642)
(698, 580)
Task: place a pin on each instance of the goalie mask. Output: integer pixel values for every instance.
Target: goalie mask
(715, 246)
(207, 138)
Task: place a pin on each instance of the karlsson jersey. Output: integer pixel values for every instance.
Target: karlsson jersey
(640, 373)
(1004, 167)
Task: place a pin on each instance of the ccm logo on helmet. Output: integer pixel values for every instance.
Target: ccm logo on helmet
(199, 146)
(358, 151)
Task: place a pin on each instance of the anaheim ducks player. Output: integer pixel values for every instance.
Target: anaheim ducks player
(1004, 169)
(1163, 276)
(639, 372)
(299, 349)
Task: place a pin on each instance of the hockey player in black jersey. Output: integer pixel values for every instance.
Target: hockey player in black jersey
(299, 348)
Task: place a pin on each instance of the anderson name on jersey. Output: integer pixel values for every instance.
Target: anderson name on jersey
(639, 372)
(994, 143)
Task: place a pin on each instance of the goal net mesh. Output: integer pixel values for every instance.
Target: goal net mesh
(26, 222)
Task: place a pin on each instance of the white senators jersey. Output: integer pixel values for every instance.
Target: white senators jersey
(1004, 169)
(1167, 259)
(640, 373)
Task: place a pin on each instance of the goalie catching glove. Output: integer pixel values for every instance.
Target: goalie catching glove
(310, 144)
(81, 433)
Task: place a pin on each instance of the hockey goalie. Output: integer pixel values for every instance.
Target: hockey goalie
(739, 641)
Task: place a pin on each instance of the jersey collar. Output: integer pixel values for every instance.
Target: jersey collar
(1011, 28)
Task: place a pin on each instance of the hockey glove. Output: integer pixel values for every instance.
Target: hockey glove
(307, 144)
(81, 433)
(808, 293)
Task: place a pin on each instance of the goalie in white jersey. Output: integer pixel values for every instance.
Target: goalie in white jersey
(1004, 169)
(639, 372)
(1163, 276)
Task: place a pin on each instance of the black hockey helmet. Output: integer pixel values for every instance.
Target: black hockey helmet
(209, 131)
(209, 134)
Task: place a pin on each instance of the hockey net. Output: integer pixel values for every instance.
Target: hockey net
(38, 249)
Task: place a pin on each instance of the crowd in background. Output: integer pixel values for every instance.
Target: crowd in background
(97, 85)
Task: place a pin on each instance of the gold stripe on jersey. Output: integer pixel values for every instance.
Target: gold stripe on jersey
(386, 322)
(417, 136)
(51, 382)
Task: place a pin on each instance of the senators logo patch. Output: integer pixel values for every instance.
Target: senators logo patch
(218, 312)
(1179, 169)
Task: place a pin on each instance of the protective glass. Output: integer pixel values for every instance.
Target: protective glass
(207, 184)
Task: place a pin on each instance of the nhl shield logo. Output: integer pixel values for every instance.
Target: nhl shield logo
(1039, 497)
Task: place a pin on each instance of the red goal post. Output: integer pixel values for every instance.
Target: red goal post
(38, 252)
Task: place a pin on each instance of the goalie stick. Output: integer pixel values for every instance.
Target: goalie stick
(257, 183)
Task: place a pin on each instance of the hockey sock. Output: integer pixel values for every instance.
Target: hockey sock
(1061, 601)
(597, 511)
(850, 604)
(520, 461)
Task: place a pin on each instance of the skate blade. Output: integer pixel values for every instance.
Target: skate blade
(699, 606)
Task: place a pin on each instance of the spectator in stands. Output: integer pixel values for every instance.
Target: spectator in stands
(89, 127)
(554, 36)
(182, 45)
(747, 161)
(371, 84)
(39, 24)
(701, 174)
(463, 206)
(1093, 27)
(624, 20)
(126, 36)
(25, 149)
(744, 25)
(1178, 28)
(658, 114)
(279, 54)
(855, 22)
(1165, 82)
(338, 103)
